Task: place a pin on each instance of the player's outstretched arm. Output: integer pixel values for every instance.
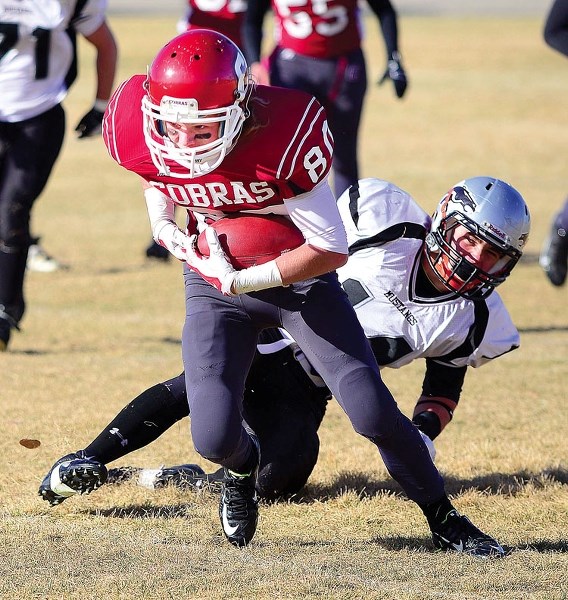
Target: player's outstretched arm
(441, 390)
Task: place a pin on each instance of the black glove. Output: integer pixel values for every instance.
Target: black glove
(90, 124)
(395, 72)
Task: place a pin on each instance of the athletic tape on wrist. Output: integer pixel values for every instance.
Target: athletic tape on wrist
(259, 277)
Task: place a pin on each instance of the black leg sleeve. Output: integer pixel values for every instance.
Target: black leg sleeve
(141, 421)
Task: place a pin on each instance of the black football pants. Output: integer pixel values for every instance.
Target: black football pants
(28, 151)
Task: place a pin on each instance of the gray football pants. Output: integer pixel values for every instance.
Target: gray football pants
(218, 344)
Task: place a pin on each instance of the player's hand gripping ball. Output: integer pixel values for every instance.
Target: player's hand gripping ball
(250, 240)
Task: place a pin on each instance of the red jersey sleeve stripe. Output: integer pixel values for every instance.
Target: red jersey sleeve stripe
(293, 142)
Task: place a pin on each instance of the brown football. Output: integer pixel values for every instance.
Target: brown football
(250, 240)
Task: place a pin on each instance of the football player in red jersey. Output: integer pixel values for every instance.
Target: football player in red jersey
(201, 136)
(319, 51)
(224, 16)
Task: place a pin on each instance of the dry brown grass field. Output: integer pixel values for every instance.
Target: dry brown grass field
(486, 97)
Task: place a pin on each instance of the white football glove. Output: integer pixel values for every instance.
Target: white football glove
(216, 268)
(170, 236)
(220, 273)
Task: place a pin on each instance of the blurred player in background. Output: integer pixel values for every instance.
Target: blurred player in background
(319, 51)
(226, 17)
(554, 254)
(37, 66)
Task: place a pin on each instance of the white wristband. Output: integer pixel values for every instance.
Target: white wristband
(254, 279)
(100, 105)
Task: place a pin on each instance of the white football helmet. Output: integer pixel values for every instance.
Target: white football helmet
(199, 77)
(494, 212)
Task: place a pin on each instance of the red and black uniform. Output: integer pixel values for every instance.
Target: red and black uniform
(318, 50)
(224, 16)
(286, 153)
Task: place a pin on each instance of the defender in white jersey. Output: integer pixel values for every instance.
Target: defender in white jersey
(37, 66)
(421, 288)
(405, 316)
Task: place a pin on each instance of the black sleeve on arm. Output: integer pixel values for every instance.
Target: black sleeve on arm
(443, 380)
(387, 18)
(252, 29)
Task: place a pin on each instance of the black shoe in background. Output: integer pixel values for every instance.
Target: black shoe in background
(554, 255)
(157, 252)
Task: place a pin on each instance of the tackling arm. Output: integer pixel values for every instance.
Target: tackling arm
(441, 391)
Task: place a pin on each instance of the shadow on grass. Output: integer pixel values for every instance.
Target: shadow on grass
(542, 329)
(363, 486)
(143, 511)
(400, 543)
(504, 484)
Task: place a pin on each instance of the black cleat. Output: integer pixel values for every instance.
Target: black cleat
(457, 533)
(7, 323)
(4, 334)
(118, 475)
(157, 252)
(554, 255)
(72, 474)
(238, 506)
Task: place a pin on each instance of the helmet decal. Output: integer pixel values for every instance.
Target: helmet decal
(499, 233)
(460, 195)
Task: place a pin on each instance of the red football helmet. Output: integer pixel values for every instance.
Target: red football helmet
(199, 77)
